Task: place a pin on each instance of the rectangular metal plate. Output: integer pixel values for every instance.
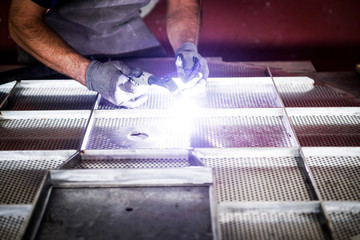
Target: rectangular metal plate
(21, 173)
(128, 213)
(128, 203)
(142, 158)
(218, 68)
(201, 128)
(50, 95)
(4, 91)
(295, 92)
(336, 172)
(323, 127)
(345, 217)
(270, 221)
(12, 221)
(257, 175)
(132, 177)
(257, 92)
(41, 130)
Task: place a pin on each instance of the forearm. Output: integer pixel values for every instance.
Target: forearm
(32, 34)
(182, 22)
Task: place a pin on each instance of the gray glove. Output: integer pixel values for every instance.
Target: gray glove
(190, 65)
(117, 83)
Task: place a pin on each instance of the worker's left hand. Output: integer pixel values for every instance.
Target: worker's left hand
(191, 67)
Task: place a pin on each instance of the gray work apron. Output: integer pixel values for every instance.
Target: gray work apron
(101, 27)
(104, 29)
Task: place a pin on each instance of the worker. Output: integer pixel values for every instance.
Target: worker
(81, 39)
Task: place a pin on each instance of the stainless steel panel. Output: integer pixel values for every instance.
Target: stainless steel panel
(21, 173)
(131, 177)
(12, 221)
(220, 93)
(37, 130)
(326, 126)
(241, 93)
(298, 93)
(270, 221)
(257, 175)
(4, 91)
(159, 158)
(158, 98)
(128, 213)
(173, 129)
(218, 68)
(50, 95)
(345, 217)
(134, 204)
(336, 172)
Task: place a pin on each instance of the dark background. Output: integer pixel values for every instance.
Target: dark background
(326, 32)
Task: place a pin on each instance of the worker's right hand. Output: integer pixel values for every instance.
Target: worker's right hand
(113, 80)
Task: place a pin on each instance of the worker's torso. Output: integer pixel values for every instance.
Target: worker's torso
(101, 27)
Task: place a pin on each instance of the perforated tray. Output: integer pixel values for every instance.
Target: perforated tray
(270, 221)
(21, 173)
(12, 221)
(50, 95)
(42, 130)
(141, 158)
(128, 203)
(345, 217)
(305, 92)
(218, 68)
(4, 92)
(257, 174)
(220, 93)
(119, 129)
(336, 172)
(326, 126)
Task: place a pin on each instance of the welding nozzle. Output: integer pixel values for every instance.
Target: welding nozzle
(146, 78)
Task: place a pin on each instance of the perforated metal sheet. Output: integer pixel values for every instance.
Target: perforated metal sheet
(50, 95)
(240, 131)
(169, 131)
(269, 221)
(158, 98)
(161, 67)
(21, 174)
(134, 160)
(51, 99)
(5, 90)
(37, 131)
(239, 95)
(259, 178)
(337, 177)
(220, 93)
(307, 95)
(115, 133)
(12, 221)
(330, 128)
(345, 217)
(10, 227)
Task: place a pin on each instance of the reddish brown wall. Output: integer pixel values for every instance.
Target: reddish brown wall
(7, 46)
(327, 32)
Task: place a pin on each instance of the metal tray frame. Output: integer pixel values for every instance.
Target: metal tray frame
(31, 120)
(320, 205)
(58, 88)
(274, 220)
(103, 178)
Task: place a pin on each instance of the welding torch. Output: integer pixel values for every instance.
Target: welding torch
(170, 81)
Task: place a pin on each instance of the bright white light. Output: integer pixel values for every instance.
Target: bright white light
(184, 115)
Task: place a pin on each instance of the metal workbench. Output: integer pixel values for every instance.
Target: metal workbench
(266, 153)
